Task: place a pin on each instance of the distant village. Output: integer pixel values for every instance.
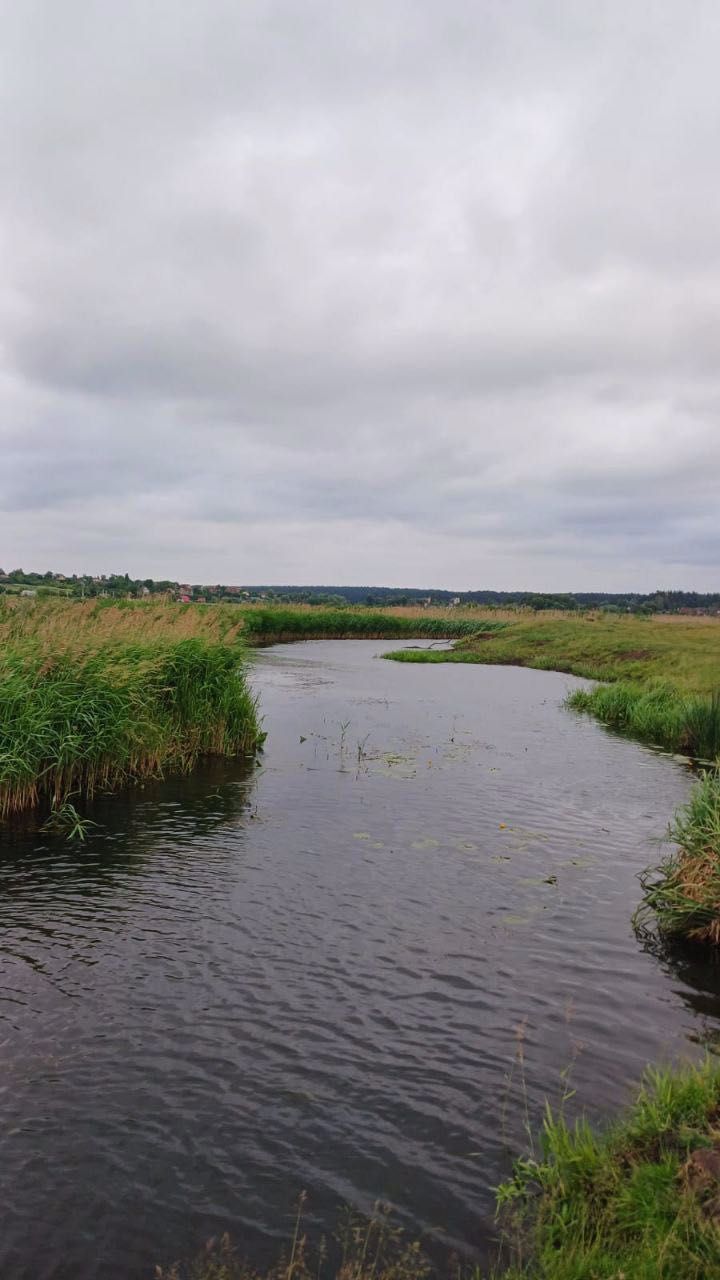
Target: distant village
(121, 586)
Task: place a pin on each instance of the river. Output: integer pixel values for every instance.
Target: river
(317, 974)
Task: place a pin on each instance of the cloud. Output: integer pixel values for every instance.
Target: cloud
(407, 293)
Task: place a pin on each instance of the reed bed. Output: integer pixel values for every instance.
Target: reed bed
(91, 700)
(280, 623)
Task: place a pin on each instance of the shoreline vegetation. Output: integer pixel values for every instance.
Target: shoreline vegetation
(639, 1200)
(92, 699)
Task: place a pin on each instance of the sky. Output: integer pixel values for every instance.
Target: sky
(407, 292)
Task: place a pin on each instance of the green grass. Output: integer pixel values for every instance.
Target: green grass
(632, 1202)
(634, 650)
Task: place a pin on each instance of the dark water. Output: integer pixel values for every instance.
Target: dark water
(312, 975)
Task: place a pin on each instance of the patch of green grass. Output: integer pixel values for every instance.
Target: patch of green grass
(632, 1202)
(636, 651)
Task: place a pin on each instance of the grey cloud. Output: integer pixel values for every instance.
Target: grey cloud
(405, 292)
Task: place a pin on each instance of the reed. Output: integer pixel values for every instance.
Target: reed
(276, 624)
(84, 719)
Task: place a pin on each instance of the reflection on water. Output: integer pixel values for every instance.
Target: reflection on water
(311, 974)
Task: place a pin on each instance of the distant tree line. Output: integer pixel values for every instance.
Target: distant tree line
(122, 586)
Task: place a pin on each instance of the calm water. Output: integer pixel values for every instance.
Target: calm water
(312, 974)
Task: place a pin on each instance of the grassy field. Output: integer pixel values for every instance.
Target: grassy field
(684, 652)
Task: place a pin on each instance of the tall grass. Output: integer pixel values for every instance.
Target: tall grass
(640, 1201)
(659, 714)
(681, 897)
(274, 624)
(95, 718)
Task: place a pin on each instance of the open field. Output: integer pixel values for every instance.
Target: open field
(684, 652)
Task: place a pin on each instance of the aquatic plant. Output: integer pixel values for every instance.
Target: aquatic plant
(681, 897)
(87, 720)
(65, 820)
(640, 1200)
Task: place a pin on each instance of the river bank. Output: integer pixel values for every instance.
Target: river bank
(659, 685)
(661, 674)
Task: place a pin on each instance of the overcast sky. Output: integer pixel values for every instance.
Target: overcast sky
(407, 292)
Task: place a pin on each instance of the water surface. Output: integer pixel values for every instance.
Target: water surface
(316, 974)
